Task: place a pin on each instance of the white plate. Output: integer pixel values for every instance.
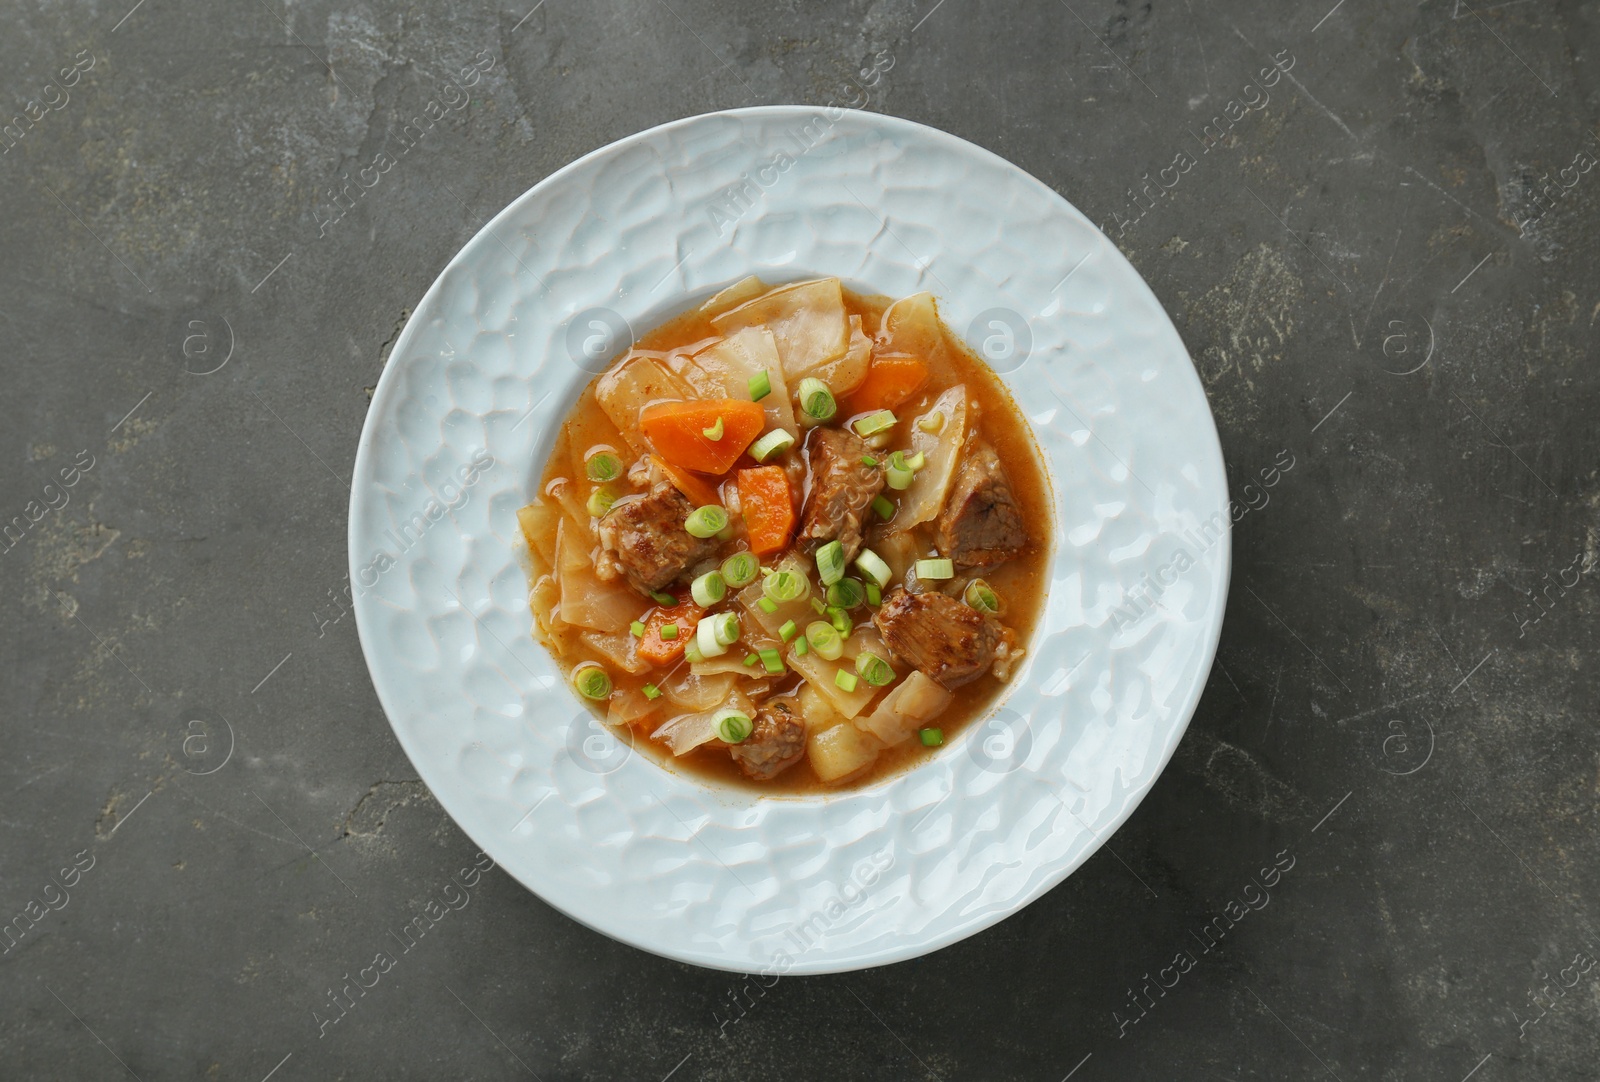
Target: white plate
(544, 296)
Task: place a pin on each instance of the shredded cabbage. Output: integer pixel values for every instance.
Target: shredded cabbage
(686, 732)
(807, 320)
(926, 495)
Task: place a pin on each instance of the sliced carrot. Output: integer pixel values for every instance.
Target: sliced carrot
(658, 651)
(768, 510)
(700, 492)
(892, 378)
(677, 430)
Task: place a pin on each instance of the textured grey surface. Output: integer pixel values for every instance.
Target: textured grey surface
(1387, 713)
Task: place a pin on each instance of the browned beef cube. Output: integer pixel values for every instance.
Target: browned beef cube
(981, 524)
(842, 490)
(777, 740)
(949, 642)
(642, 538)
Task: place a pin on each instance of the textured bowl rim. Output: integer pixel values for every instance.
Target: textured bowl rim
(1182, 716)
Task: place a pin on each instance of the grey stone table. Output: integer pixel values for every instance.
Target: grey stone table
(1374, 856)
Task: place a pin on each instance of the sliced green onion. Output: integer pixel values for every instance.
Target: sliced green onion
(706, 521)
(751, 659)
(603, 466)
(818, 607)
(787, 631)
(846, 594)
(669, 632)
(825, 640)
(771, 660)
(900, 469)
(732, 726)
(705, 637)
(873, 423)
(931, 738)
(931, 423)
(801, 646)
(739, 570)
(786, 586)
(872, 566)
(662, 598)
(845, 679)
(868, 460)
(725, 626)
(981, 597)
(841, 621)
(651, 691)
(884, 508)
(692, 652)
(600, 501)
(935, 569)
(713, 433)
(591, 681)
(708, 589)
(772, 443)
(874, 595)
(637, 627)
(816, 401)
(873, 669)
(830, 563)
(760, 385)
(768, 605)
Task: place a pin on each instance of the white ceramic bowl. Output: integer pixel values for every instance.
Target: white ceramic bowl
(544, 296)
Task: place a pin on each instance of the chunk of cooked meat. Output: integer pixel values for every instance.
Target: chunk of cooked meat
(842, 489)
(947, 641)
(777, 740)
(981, 524)
(642, 538)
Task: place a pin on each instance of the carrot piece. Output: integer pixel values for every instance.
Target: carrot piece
(658, 651)
(677, 430)
(768, 510)
(892, 378)
(700, 493)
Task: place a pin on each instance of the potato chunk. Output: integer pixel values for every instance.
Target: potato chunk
(840, 751)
